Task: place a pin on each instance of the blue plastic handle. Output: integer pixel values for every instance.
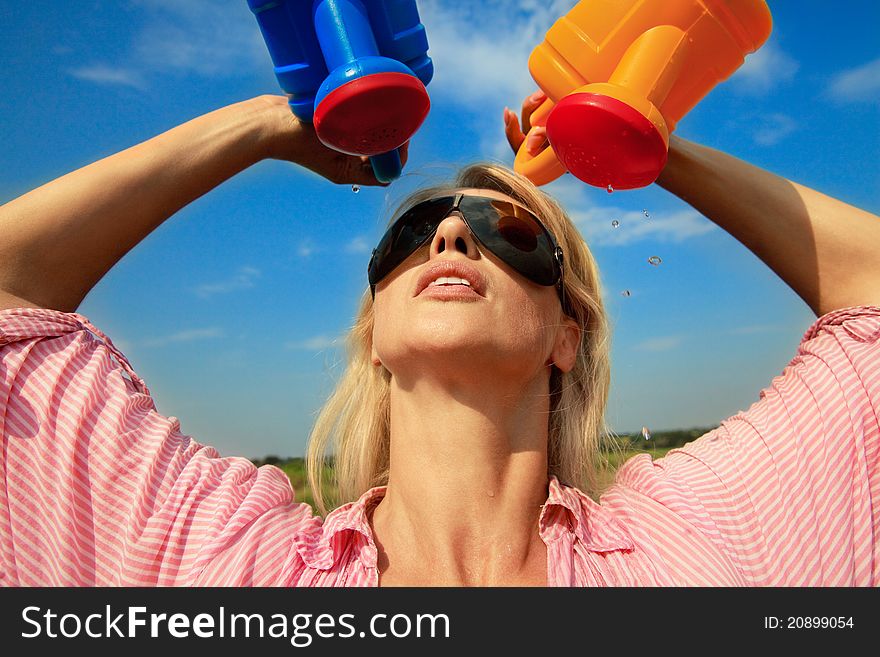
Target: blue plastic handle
(387, 167)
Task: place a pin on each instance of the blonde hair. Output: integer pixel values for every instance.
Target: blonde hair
(355, 421)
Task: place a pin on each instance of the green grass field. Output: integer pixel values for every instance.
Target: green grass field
(295, 470)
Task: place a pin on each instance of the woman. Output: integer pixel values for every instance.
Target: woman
(460, 441)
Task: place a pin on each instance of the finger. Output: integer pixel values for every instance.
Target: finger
(350, 170)
(363, 173)
(530, 104)
(515, 136)
(536, 140)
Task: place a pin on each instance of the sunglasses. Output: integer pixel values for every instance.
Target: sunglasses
(508, 230)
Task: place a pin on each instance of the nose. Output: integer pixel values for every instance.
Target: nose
(453, 235)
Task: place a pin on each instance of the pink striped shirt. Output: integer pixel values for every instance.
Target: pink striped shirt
(98, 488)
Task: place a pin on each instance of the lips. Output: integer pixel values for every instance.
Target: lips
(450, 278)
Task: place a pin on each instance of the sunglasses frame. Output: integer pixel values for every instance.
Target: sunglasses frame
(557, 255)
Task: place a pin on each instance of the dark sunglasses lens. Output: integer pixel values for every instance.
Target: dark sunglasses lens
(406, 235)
(519, 234)
(514, 235)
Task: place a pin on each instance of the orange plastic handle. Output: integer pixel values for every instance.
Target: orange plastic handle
(543, 167)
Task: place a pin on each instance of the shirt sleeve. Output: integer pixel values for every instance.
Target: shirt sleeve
(99, 489)
(788, 491)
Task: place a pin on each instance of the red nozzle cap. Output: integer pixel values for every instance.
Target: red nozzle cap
(373, 114)
(603, 141)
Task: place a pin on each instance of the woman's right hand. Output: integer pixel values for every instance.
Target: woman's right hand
(288, 138)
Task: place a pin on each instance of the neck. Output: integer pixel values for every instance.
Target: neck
(468, 476)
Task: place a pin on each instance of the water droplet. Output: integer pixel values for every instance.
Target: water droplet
(615, 224)
(609, 189)
(646, 433)
(626, 293)
(645, 212)
(355, 188)
(654, 260)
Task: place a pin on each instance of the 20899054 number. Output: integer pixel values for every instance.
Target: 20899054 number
(819, 622)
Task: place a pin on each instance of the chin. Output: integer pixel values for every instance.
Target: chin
(427, 338)
(447, 332)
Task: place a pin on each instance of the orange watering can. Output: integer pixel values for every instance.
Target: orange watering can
(620, 74)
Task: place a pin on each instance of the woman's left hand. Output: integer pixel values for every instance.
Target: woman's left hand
(535, 137)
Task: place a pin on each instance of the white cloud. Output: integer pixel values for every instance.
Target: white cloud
(212, 38)
(306, 248)
(663, 343)
(358, 245)
(190, 335)
(315, 343)
(773, 128)
(243, 279)
(109, 75)
(596, 227)
(209, 38)
(595, 221)
(481, 52)
(857, 84)
(764, 69)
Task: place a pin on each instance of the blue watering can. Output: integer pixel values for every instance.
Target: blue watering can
(356, 69)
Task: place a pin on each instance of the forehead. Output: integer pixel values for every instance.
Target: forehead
(491, 193)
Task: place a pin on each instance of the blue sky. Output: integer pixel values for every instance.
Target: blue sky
(234, 309)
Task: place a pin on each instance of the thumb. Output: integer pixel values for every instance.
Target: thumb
(536, 139)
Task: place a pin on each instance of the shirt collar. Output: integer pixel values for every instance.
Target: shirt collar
(320, 548)
(569, 510)
(566, 511)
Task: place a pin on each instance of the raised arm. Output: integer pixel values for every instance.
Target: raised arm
(57, 241)
(825, 249)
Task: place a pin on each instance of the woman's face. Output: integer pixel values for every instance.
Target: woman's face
(454, 305)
